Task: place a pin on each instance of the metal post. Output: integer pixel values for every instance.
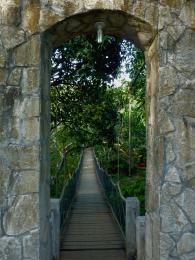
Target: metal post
(132, 212)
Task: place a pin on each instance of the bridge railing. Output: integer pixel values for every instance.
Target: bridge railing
(113, 195)
(60, 209)
(126, 212)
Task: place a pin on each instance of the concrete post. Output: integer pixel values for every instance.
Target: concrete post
(140, 237)
(55, 226)
(132, 211)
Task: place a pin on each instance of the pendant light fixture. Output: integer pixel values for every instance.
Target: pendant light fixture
(99, 26)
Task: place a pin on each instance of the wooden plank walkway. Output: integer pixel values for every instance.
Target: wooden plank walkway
(91, 233)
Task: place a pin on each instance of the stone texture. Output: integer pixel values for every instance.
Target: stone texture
(170, 153)
(172, 175)
(173, 219)
(165, 30)
(4, 180)
(140, 237)
(30, 80)
(165, 123)
(15, 220)
(31, 245)
(189, 174)
(10, 12)
(168, 81)
(30, 129)
(25, 183)
(2, 57)
(14, 77)
(31, 15)
(187, 201)
(10, 248)
(3, 76)
(28, 53)
(186, 243)
(166, 245)
(12, 36)
(169, 190)
(28, 107)
(23, 157)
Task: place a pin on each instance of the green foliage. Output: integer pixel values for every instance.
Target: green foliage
(134, 187)
(80, 99)
(64, 156)
(86, 109)
(130, 103)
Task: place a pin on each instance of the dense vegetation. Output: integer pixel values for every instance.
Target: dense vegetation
(87, 109)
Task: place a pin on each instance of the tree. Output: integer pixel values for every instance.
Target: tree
(81, 71)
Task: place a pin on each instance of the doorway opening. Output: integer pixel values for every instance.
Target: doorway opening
(98, 100)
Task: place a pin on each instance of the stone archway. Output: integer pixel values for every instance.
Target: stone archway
(165, 30)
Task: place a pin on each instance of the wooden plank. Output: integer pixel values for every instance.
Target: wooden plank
(89, 247)
(90, 237)
(93, 255)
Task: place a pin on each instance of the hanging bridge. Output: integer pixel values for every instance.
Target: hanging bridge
(92, 217)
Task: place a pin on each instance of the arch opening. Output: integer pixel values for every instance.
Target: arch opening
(116, 23)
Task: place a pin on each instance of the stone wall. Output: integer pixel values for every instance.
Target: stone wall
(165, 29)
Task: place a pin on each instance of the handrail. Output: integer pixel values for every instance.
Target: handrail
(125, 211)
(68, 194)
(113, 195)
(60, 209)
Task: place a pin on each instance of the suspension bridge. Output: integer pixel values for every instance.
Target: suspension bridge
(91, 214)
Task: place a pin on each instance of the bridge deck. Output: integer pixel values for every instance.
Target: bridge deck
(91, 233)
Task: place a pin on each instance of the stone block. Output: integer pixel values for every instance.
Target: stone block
(27, 107)
(22, 214)
(23, 157)
(10, 248)
(173, 219)
(170, 153)
(5, 174)
(172, 175)
(186, 243)
(170, 190)
(15, 77)
(10, 12)
(185, 137)
(167, 245)
(31, 15)
(165, 123)
(189, 174)
(24, 183)
(11, 94)
(172, 3)
(178, 103)
(66, 8)
(167, 80)
(31, 245)
(31, 129)
(2, 57)
(94, 4)
(186, 201)
(3, 76)
(28, 53)
(12, 37)
(48, 18)
(30, 80)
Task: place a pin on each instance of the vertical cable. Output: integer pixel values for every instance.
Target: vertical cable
(129, 141)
